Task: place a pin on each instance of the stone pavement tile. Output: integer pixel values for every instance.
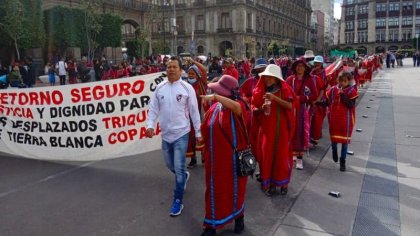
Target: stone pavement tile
(356, 163)
(314, 202)
(402, 131)
(382, 215)
(409, 204)
(285, 230)
(380, 184)
(407, 120)
(408, 161)
(369, 227)
(378, 201)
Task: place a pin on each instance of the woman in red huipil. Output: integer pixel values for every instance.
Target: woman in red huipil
(304, 88)
(223, 128)
(277, 129)
(197, 78)
(341, 101)
(318, 113)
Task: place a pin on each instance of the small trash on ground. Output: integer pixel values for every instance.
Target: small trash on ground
(334, 194)
(368, 107)
(350, 153)
(365, 116)
(359, 130)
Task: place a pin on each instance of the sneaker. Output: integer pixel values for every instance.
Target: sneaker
(193, 163)
(187, 177)
(299, 164)
(177, 207)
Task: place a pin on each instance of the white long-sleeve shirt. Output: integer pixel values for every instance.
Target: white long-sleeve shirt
(174, 104)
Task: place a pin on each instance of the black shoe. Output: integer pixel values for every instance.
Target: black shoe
(202, 160)
(335, 158)
(208, 232)
(258, 177)
(193, 163)
(239, 225)
(342, 164)
(270, 191)
(283, 190)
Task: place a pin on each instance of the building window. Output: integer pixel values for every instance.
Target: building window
(349, 25)
(417, 20)
(417, 5)
(362, 24)
(380, 35)
(394, 6)
(406, 35)
(407, 20)
(406, 6)
(350, 11)
(349, 37)
(363, 9)
(380, 22)
(225, 22)
(393, 21)
(362, 36)
(393, 35)
(380, 7)
(249, 21)
(180, 23)
(199, 24)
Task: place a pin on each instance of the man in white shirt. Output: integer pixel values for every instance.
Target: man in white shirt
(62, 71)
(174, 102)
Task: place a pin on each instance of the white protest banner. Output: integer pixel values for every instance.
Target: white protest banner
(80, 122)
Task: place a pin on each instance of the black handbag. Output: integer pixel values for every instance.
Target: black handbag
(245, 162)
(245, 159)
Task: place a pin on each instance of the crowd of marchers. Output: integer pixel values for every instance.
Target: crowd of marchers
(276, 107)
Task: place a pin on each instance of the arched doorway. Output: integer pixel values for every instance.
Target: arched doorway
(200, 49)
(225, 48)
(379, 49)
(129, 30)
(180, 49)
(362, 50)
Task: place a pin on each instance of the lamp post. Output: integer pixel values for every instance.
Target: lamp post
(417, 42)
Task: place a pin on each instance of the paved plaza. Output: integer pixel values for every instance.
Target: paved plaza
(380, 192)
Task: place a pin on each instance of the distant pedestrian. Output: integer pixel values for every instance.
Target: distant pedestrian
(418, 58)
(62, 70)
(174, 102)
(51, 74)
(414, 59)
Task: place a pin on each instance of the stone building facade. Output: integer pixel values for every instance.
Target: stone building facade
(218, 27)
(233, 27)
(379, 26)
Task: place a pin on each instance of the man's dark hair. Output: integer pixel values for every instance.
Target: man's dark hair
(178, 60)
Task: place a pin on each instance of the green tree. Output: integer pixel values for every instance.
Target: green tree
(12, 21)
(33, 24)
(92, 23)
(110, 34)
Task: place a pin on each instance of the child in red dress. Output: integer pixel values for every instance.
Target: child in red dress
(341, 100)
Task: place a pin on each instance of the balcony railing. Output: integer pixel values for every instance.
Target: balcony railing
(223, 1)
(224, 30)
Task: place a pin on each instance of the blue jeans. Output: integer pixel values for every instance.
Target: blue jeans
(174, 156)
(344, 147)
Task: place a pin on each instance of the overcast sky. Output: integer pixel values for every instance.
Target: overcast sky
(337, 8)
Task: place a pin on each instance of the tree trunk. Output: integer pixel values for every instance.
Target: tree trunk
(17, 50)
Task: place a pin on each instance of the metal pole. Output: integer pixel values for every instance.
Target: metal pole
(175, 32)
(417, 42)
